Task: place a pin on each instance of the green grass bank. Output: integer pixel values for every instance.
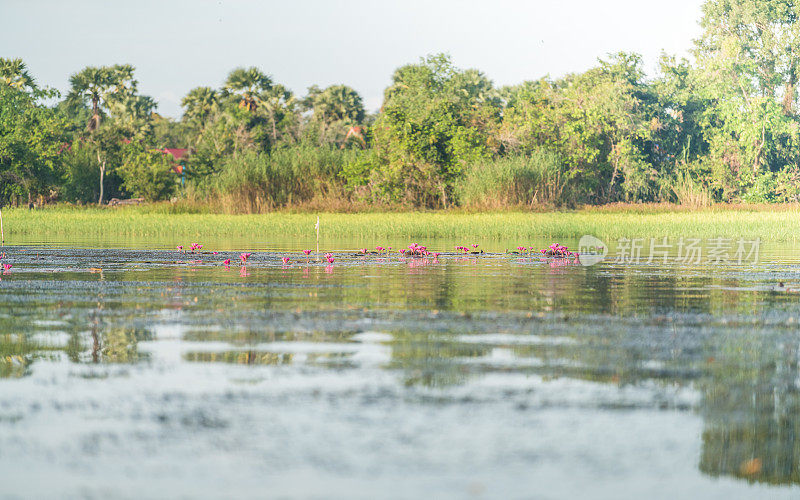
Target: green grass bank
(781, 223)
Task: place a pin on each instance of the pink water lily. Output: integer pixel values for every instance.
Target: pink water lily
(180, 247)
(6, 267)
(306, 252)
(244, 256)
(285, 260)
(363, 250)
(227, 262)
(329, 258)
(380, 248)
(474, 245)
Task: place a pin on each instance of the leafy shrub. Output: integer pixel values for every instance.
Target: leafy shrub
(147, 173)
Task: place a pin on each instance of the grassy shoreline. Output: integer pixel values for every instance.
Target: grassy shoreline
(773, 223)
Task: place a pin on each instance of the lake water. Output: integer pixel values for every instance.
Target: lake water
(140, 373)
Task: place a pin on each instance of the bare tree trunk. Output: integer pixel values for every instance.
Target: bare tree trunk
(2, 236)
(102, 175)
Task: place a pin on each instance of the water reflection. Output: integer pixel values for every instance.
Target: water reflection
(439, 324)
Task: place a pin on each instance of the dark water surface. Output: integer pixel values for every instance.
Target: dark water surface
(146, 373)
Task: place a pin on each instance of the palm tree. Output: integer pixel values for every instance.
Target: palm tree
(335, 104)
(106, 87)
(247, 84)
(276, 103)
(200, 104)
(101, 86)
(133, 113)
(14, 73)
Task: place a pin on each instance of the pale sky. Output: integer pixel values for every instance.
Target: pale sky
(176, 45)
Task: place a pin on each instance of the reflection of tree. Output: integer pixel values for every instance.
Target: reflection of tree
(752, 412)
(430, 360)
(16, 355)
(120, 345)
(240, 357)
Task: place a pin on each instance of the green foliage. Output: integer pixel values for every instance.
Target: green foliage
(147, 173)
(14, 73)
(435, 119)
(722, 129)
(334, 110)
(600, 122)
(81, 174)
(31, 139)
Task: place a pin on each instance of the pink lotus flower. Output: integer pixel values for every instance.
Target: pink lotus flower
(329, 258)
(521, 249)
(285, 260)
(6, 267)
(180, 247)
(227, 262)
(243, 256)
(306, 252)
(474, 245)
(380, 248)
(215, 253)
(363, 250)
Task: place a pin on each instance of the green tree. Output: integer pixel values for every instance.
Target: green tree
(32, 138)
(279, 105)
(599, 122)
(200, 104)
(334, 110)
(435, 118)
(111, 89)
(14, 73)
(247, 84)
(747, 66)
(101, 87)
(147, 173)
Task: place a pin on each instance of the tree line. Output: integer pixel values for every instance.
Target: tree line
(721, 128)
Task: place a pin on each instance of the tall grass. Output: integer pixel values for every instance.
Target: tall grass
(535, 179)
(254, 182)
(690, 192)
